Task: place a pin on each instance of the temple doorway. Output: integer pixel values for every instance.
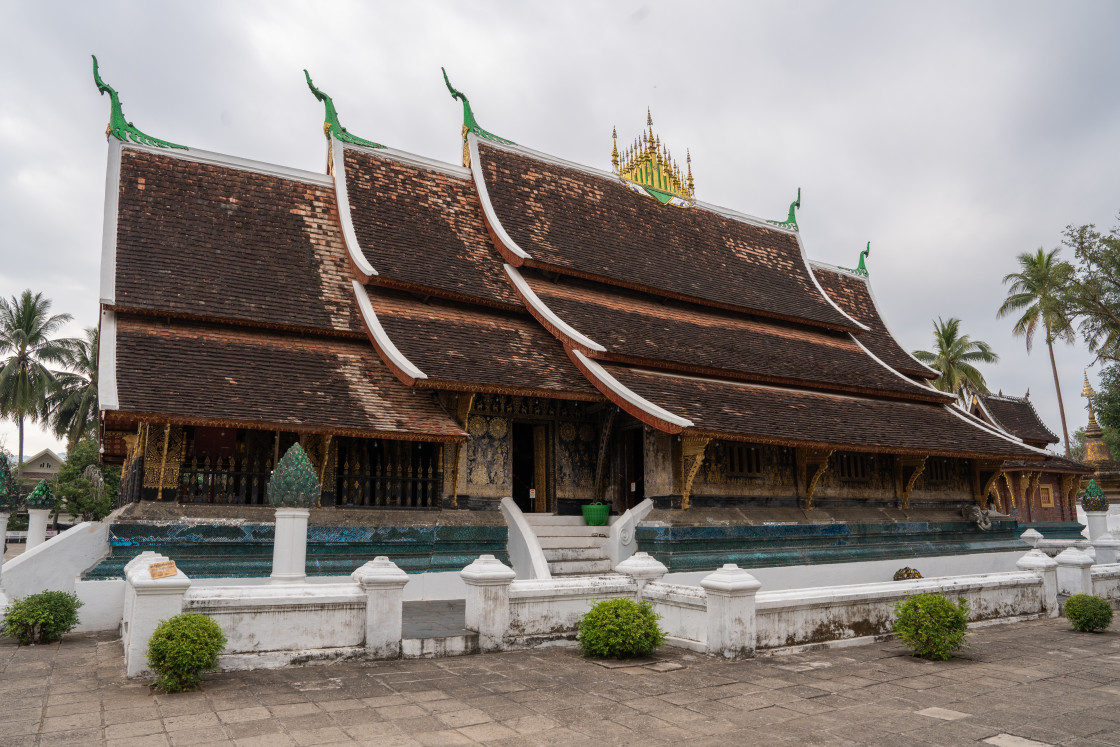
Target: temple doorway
(530, 467)
(633, 472)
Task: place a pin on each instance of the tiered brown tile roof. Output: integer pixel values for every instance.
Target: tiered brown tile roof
(645, 331)
(1050, 464)
(196, 373)
(478, 349)
(577, 223)
(1018, 416)
(853, 294)
(228, 244)
(423, 229)
(771, 415)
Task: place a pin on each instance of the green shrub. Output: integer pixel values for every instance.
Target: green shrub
(42, 617)
(619, 629)
(1087, 613)
(182, 648)
(931, 626)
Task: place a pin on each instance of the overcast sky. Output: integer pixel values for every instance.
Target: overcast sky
(953, 136)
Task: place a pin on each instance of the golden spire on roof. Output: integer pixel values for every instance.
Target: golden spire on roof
(1087, 390)
(649, 164)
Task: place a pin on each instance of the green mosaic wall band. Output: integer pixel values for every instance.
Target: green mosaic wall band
(121, 128)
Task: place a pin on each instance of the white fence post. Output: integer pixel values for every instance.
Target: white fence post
(1031, 537)
(148, 602)
(643, 568)
(36, 527)
(383, 582)
(731, 615)
(289, 546)
(1097, 523)
(488, 581)
(1047, 567)
(1074, 572)
(3, 538)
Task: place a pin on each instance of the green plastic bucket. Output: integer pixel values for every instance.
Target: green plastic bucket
(595, 514)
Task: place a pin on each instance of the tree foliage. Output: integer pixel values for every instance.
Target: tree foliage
(954, 357)
(1092, 294)
(85, 487)
(71, 405)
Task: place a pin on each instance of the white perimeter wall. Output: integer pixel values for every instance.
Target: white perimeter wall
(866, 572)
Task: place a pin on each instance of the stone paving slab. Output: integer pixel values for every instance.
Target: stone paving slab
(1031, 683)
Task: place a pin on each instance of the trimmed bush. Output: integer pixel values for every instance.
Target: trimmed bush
(1088, 613)
(931, 626)
(619, 629)
(42, 617)
(182, 648)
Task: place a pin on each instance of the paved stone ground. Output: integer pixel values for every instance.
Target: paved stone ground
(1027, 681)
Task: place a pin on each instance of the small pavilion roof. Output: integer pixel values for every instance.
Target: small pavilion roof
(1017, 416)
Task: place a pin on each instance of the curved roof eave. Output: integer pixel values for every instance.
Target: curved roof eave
(401, 366)
(361, 265)
(107, 397)
(624, 397)
(509, 249)
(567, 334)
(875, 303)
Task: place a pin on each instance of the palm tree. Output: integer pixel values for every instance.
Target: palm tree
(954, 358)
(71, 405)
(1035, 293)
(26, 328)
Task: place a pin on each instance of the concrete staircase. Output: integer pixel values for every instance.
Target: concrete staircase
(570, 546)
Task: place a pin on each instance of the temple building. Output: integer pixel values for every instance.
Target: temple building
(442, 335)
(1041, 494)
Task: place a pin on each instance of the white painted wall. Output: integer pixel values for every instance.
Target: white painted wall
(866, 572)
(57, 563)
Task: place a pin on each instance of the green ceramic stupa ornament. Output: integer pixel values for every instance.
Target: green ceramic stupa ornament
(1094, 499)
(9, 496)
(41, 496)
(293, 483)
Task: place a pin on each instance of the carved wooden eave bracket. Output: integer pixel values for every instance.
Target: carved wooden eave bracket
(692, 456)
(817, 462)
(912, 469)
(605, 427)
(1010, 489)
(463, 404)
(1070, 484)
(985, 475)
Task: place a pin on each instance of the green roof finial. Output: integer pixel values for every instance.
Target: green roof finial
(121, 128)
(862, 268)
(470, 124)
(791, 221)
(331, 125)
(41, 496)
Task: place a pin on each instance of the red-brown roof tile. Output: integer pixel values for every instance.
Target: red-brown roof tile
(645, 331)
(478, 349)
(422, 228)
(853, 294)
(230, 244)
(772, 415)
(1018, 416)
(196, 373)
(578, 223)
